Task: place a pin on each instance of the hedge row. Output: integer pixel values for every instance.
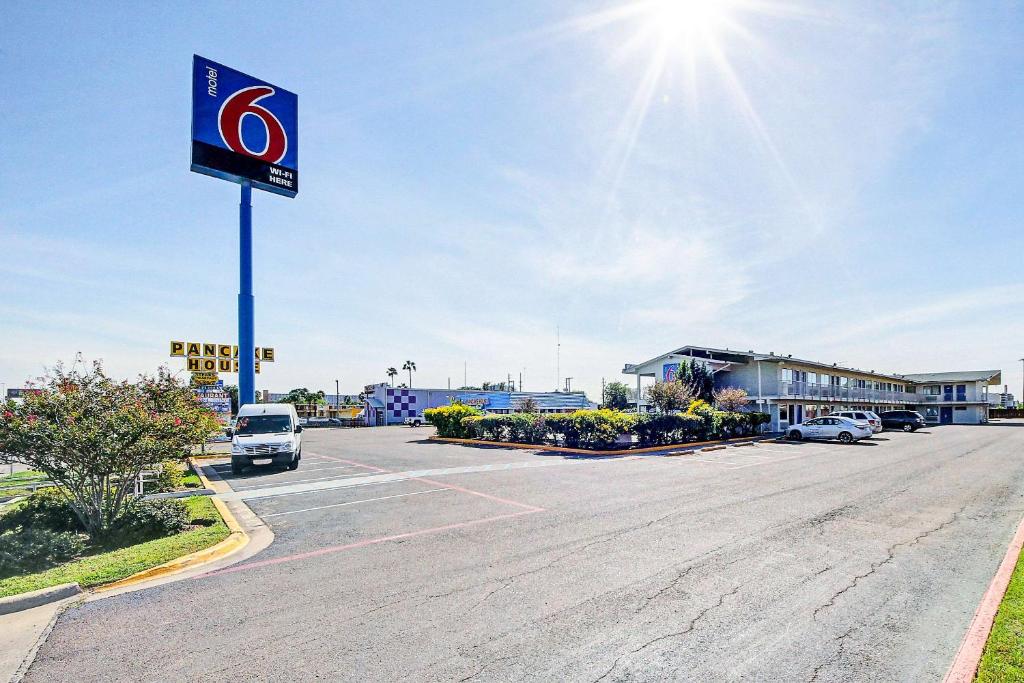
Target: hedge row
(594, 429)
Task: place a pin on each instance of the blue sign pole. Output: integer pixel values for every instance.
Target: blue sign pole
(246, 321)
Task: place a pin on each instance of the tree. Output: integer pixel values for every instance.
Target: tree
(697, 377)
(304, 396)
(411, 367)
(616, 396)
(391, 374)
(232, 392)
(669, 396)
(527, 404)
(93, 435)
(731, 399)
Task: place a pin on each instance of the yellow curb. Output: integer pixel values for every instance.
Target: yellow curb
(583, 451)
(236, 540)
(713, 448)
(210, 456)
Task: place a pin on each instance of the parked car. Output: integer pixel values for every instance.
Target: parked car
(318, 422)
(831, 427)
(416, 421)
(907, 420)
(266, 432)
(871, 418)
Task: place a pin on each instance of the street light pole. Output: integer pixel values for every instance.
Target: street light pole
(337, 397)
(1022, 385)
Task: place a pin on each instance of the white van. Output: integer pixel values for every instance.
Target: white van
(266, 432)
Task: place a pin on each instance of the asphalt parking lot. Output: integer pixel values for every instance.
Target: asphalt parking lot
(398, 557)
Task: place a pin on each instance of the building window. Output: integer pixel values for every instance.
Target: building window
(961, 392)
(783, 413)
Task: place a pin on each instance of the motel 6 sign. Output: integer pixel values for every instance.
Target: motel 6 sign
(244, 128)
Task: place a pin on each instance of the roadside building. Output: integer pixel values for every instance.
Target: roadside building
(1002, 400)
(386, 405)
(792, 390)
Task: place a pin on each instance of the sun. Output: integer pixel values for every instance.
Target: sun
(686, 19)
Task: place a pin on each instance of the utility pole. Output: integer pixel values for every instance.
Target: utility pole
(465, 382)
(604, 397)
(337, 396)
(1022, 385)
(521, 381)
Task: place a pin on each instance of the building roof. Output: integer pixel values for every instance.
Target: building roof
(729, 355)
(990, 376)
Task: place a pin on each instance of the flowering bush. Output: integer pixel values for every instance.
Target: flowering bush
(448, 420)
(92, 435)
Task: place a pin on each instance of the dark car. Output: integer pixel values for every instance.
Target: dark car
(907, 420)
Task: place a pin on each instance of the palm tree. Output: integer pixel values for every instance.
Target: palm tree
(391, 373)
(410, 366)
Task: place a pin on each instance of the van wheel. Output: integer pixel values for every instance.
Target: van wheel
(908, 427)
(294, 464)
(236, 467)
(845, 437)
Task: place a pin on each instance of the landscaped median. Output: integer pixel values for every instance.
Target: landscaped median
(1003, 658)
(605, 431)
(70, 559)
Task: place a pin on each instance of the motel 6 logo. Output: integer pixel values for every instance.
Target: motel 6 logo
(243, 128)
(232, 114)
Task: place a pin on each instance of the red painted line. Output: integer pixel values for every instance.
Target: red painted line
(968, 656)
(432, 482)
(367, 542)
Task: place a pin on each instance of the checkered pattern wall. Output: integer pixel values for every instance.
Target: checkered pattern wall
(401, 403)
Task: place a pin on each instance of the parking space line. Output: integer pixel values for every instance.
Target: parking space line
(459, 488)
(287, 482)
(353, 502)
(368, 542)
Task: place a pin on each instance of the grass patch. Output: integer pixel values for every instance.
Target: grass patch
(24, 477)
(1003, 659)
(21, 481)
(105, 567)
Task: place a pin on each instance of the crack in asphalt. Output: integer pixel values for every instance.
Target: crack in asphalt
(838, 655)
(674, 634)
(680, 575)
(890, 556)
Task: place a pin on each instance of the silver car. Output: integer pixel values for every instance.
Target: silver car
(873, 419)
(831, 427)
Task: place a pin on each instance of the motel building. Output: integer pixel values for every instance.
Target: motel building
(792, 390)
(387, 405)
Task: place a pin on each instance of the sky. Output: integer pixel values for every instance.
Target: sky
(837, 181)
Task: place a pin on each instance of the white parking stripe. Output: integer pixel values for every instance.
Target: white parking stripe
(288, 488)
(286, 482)
(354, 502)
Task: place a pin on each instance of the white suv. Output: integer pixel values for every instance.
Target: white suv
(863, 416)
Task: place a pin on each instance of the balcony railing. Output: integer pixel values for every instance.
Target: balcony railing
(828, 392)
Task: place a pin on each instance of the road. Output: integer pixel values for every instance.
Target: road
(775, 562)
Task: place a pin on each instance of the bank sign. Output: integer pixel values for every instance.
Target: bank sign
(244, 128)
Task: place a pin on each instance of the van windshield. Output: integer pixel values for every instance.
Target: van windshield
(263, 424)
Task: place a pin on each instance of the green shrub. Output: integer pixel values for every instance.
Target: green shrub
(494, 427)
(448, 419)
(45, 509)
(471, 426)
(33, 549)
(534, 427)
(563, 430)
(666, 428)
(710, 419)
(171, 477)
(148, 519)
(598, 429)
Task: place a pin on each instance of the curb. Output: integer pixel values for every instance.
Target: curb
(235, 541)
(968, 655)
(43, 596)
(582, 451)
